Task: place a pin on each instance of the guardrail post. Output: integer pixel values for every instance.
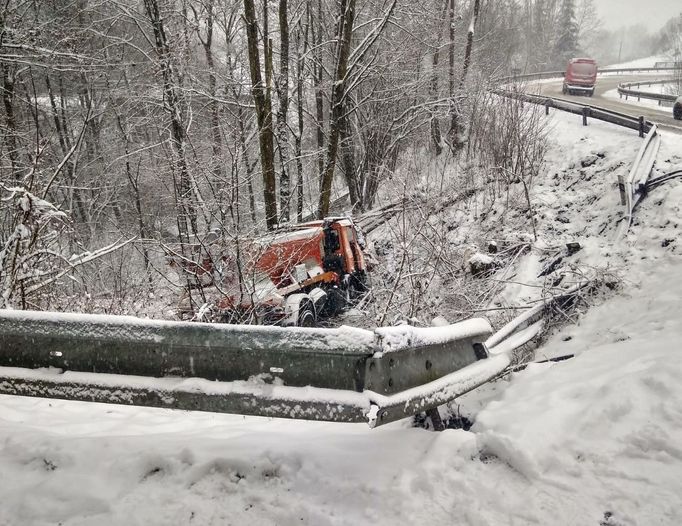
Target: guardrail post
(621, 188)
(586, 112)
(547, 107)
(641, 126)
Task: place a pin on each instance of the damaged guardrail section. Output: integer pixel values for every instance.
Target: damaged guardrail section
(344, 374)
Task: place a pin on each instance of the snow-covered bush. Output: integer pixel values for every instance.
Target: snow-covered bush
(32, 240)
(27, 255)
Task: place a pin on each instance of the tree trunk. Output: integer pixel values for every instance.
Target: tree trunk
(283, 95)
(8, 78)
(263, 103)
(436, 137)
(451, 72)
(247, 163)
(457, 124)
(348, 161)
(318, 71)
(344, 33)
(300, 68)
(187, 216)
(207, 44)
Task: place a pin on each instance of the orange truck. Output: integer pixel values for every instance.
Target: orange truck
(289, 277)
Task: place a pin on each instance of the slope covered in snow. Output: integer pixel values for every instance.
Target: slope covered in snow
(594, 440)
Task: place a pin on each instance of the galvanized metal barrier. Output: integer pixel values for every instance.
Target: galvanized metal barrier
(625, 89)
(632, 188)
(542, 75)
(345, 374)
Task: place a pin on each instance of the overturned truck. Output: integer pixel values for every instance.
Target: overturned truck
(290, 277)
(343, 375)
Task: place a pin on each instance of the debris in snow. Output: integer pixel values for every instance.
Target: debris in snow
(480, 264)
(589, 161)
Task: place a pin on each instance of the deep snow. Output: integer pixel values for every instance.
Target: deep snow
(595, 440)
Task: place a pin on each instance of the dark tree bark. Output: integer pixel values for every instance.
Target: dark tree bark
(344, 32)
(436, 137)
(451, 70)
(318, 71)
(247, 163)
(282, 113)
(300, 68)
(457, 128)
(263, 103)
(207, 45)
(348, 161)
(8, 78)
(187, 216)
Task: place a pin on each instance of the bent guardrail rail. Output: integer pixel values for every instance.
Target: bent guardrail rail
(633, 188)
(345, 374)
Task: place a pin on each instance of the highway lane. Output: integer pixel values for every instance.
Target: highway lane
(660, 115)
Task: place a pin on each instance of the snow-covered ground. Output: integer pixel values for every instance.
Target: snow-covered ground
(594, 440)
(645, 62)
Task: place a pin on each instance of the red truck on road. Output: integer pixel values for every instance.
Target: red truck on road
(580, 76)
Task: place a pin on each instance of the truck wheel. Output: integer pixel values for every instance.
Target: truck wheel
(337, 300)
(306, 315)
(677, 112)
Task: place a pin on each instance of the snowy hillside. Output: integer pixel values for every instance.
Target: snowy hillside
(593, 440)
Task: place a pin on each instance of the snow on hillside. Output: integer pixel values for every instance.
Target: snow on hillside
(594, 440)
(645, 62)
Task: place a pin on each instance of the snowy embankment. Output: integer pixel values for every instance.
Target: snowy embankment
(595, 440)
(645, 62)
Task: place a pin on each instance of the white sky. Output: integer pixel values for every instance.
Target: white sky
(651, 13)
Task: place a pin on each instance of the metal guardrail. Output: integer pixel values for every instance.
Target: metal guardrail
(624, 90)
(633, 188)
(585, 110)
(345, 374)
(542, 75)
(668, 65)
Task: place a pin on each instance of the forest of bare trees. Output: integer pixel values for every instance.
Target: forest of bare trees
(130, 127)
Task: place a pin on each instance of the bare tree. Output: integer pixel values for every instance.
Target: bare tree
(263, 104)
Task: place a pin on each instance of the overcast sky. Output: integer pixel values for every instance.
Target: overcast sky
(652, 13)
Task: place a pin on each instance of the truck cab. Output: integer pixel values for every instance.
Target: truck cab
(580, 77)
(292, 276)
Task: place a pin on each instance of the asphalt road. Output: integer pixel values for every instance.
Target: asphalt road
(660, 115)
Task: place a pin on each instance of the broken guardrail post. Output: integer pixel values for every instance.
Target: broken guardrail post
(621, 188)
(641, 126)
(585, 112)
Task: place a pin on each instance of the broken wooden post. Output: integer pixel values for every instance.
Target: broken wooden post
(436, 420)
